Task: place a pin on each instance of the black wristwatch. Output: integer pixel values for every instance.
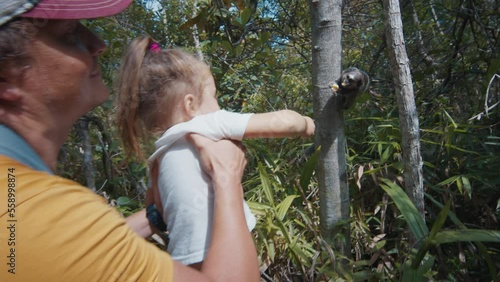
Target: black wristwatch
(155, 218)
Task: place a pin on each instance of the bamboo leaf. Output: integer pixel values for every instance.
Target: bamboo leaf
(449, 180)
(407, 208)
(424, 248)
(268, 244)
(467, 235)
(284, 206)
(363, 275)
(304, 258)
(467, 186)
(412, 275)
(271, 249)
(284, 231)
(266, 184)
(385, 155)
(417, 274)
(482, 249)
(309, 167)
(460, 185)
(258, 208)
(450, 119)
(441, 218)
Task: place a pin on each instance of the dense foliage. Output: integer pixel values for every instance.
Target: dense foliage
(260, 56)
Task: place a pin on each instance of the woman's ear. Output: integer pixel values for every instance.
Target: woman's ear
(8, 91)
(9, 94)
(190, 105)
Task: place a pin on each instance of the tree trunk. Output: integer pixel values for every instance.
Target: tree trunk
(82, 128)
(408, 116)
(326, 25)
(196, 36)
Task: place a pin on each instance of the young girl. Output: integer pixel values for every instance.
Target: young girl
(172, 92)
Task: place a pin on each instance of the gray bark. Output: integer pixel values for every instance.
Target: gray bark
(408, 116)
(196, 37)
(82, 128)
(326, 25)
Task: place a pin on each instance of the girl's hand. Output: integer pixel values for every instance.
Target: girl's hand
(309, 129)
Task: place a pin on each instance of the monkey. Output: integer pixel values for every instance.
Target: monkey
(352, 82)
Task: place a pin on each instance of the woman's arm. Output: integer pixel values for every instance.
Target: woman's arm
(139, 221)
(140, 224)
(285, 123)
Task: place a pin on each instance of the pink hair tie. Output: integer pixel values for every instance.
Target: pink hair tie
(154, 47)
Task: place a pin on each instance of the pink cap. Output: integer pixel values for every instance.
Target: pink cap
(76, 9)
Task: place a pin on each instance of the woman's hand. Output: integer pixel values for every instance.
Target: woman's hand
(223, 160)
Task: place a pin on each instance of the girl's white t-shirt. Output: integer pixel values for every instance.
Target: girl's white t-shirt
(186, 190)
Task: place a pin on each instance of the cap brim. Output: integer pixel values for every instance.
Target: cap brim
(76, 9)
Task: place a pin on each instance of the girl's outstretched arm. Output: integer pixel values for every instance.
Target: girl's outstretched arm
(285, 123)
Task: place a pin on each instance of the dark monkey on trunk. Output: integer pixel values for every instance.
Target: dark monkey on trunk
(352, 82)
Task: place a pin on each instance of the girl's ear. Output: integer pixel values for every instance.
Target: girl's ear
(190, 105)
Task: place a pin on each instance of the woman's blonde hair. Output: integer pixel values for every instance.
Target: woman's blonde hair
(149, 83)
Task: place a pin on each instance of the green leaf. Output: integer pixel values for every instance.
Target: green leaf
(305, 177)
(492, 70)
(467, 235)
(385, 155)
(264, 37)
(300, 254)
(424, 248)
(450, 119)
(266, 184)
(125, 201)
(363, 275)
(407, 208)
(190, 23)
(226, 45)
(417, 274)
(411, 275)
(245, 16)
(482, 249)
(459, 185)
(258, 208)
(441, 218)
(284, 206)
(238, 50)
(467, 186)
(449, 180)
(284, 231)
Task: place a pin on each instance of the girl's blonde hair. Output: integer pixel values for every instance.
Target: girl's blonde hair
(150, 81)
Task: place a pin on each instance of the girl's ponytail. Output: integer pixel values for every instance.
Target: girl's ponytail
(129, 123)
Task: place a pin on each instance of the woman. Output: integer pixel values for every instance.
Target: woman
(54, 229)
